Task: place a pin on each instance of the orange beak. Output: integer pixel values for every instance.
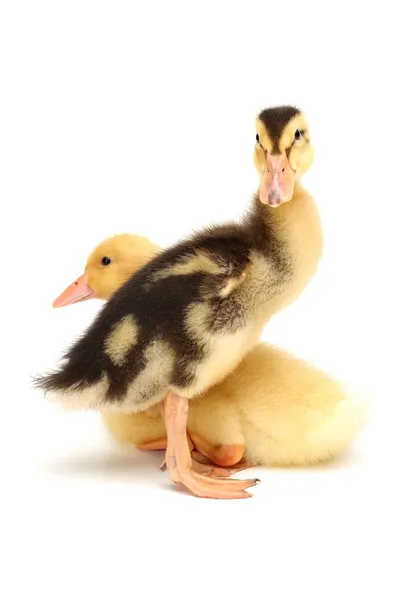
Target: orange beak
(278, 181)
(76, 292)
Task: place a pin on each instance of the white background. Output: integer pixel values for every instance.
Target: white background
(124, 116)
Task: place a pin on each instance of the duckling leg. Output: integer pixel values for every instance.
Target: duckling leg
(179, 462)
(200, 463)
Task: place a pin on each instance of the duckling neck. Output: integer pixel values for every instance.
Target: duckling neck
(297, 239)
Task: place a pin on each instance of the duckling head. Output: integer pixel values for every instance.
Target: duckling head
(108, 267)
(282, 154)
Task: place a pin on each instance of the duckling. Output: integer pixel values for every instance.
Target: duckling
(186, 319)
(274, 409)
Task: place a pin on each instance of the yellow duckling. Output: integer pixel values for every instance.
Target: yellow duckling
(274, 409)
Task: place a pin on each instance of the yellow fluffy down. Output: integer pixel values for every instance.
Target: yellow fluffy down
(284, 411)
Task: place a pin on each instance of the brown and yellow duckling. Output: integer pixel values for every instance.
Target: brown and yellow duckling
(274, 409)
(186, 319)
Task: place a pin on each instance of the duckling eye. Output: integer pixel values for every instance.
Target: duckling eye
(257, 138)
(297, 134)
(105, 261)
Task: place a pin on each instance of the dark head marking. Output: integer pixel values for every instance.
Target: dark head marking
(275, 120)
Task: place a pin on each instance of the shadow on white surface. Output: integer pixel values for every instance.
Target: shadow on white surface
(133, 465)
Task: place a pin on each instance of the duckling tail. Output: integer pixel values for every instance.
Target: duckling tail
(73, 392)
(51, 382)
(80, 382)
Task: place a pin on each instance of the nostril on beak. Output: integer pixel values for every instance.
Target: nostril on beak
(283, 169)
(75, 283)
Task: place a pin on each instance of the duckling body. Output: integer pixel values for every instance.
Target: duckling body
(185, 320)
